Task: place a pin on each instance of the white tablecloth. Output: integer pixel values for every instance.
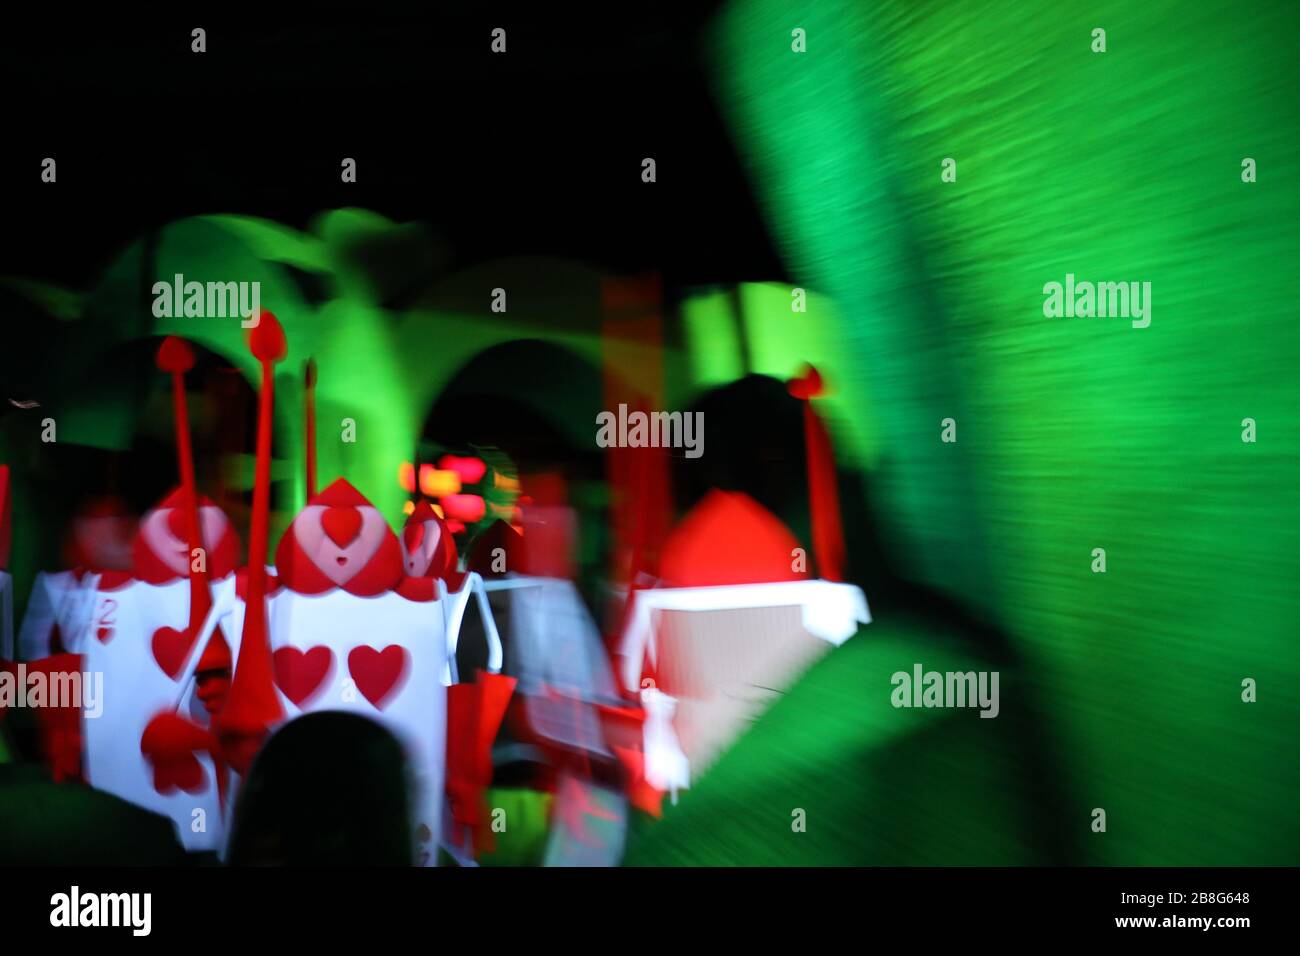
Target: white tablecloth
(829, 610)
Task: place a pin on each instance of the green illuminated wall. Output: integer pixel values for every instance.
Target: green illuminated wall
(386, 333)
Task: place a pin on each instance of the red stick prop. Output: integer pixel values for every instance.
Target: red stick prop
(4, 517)
(309, 393)
(823, 493)
(169, 739)
(253, 705)
(176, 357)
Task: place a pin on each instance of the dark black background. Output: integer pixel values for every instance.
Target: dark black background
(537, 151)
(497, 909)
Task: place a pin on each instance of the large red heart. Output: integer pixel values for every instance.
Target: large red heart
(342, 523)
(104, 634)
(377, 673)
(170, 648)
(168, 744)
(300, 673)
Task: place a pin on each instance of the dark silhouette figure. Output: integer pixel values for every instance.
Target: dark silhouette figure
(328, 789)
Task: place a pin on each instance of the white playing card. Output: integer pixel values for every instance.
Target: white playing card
(125, 642)
(383, 657)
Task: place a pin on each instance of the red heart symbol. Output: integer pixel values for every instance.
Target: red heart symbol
(300, 673)
(342, 523)
(104, 634)
(170, 648)
(182, 773)
(168, 743)
(377, 673)
(177, 524)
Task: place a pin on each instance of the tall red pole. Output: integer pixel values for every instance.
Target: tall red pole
(254, 706)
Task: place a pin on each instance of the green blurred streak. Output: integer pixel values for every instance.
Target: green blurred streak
(709, 324)
(1072, 433)
(781, 341)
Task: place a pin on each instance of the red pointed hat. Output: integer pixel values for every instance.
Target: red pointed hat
(339, 540)
(729, 538)
(428, 548)
(161, 551)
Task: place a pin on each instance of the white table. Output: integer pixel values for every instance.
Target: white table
(730, 652)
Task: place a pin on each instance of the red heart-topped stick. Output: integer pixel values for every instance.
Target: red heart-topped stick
(309, 403)
(176, 358)
(253, 705)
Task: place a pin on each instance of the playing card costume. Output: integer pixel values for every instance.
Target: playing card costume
(201, 665)
(102, 537)
(203, 661)
(145, 632)
(134, 632)
(357, 624)
(347, 635)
